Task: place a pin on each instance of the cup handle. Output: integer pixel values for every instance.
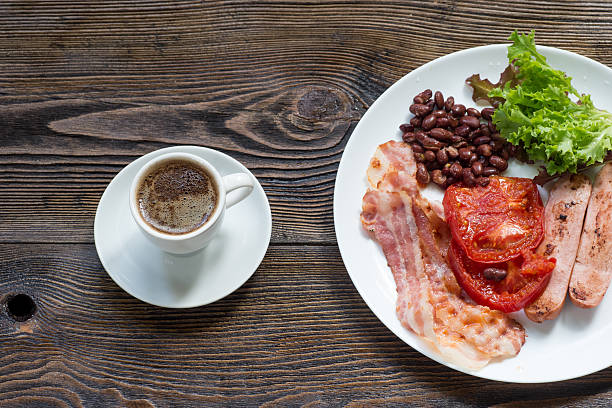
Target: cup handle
(233, 182)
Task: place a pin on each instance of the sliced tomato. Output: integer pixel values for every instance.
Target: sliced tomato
(497, 222)
(526, 278)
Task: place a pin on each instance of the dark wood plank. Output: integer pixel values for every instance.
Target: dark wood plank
(292, 141)
(296, 333)
(87, 87)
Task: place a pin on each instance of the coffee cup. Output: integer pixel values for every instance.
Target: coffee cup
(178, 200)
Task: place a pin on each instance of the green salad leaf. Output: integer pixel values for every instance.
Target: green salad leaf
(544, 114)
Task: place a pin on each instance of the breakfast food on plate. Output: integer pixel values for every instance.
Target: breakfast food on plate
(414, 240)
(564, 215)
(492, 247)
(495, 231)
(538, 110)
(593, 269)
(452, 143)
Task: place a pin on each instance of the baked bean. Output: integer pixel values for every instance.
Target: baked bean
(484, 130)
(450, 180)
(494, 274)
(430, 143)
(490, 171)
(456, 170)
(487, 113)
(406, 127)
(504, 154)
(474, 134)
(450, 102)
(471, 121)
(430, 156)
(477, 168)
(429, 122)
(446, 169)
(512, 149)
(439, 98)
(441, 134)
(419, 100)
(438, 178)
(465, 154)
(417, 148)
(482, 181)
(498, 163)
(420, 135)
(459, 144)
(468, 177)
(462, 130)
(419, 157)
(481, 140)
(492, 127)
(422, 110)
(473, 112)
(457, 139)
(416, 122)
(439, 113)
(453, 122)
(443, 122)
(433, 165)
(408, 137)
(422, 175)
(497, 145)
(423, 97)
(442, 156)
(485, 150)
(452, 152)
(457, 110)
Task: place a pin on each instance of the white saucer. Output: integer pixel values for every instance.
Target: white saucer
(180, 281)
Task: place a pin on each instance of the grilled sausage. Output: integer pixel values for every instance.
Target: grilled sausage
(593, 269)
(563, 216)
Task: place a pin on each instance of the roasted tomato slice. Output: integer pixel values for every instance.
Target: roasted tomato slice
(497, 222)
(525, 279)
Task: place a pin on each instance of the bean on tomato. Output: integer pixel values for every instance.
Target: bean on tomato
(526, 278)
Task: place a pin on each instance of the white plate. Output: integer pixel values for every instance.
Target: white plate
(180, 281)
(578, 341)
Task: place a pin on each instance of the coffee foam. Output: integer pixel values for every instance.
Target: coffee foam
(176, 196)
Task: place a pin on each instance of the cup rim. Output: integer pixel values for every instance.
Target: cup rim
(209, 168)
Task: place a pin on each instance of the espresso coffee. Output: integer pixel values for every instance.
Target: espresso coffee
(176, 196)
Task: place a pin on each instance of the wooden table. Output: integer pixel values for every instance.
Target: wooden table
(87, 87)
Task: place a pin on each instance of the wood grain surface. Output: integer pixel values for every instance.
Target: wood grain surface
(86, 87)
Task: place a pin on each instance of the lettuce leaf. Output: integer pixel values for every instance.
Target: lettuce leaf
(482, 87)
(538, 113)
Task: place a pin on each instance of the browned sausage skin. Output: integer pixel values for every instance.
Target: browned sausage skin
(564, 215)
(593, 268)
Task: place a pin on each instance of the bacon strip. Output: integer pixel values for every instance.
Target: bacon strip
(430, 302)
(393, 168)
(388, 217)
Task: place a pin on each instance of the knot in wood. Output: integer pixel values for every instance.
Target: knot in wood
(20, 307)
(320, 104)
